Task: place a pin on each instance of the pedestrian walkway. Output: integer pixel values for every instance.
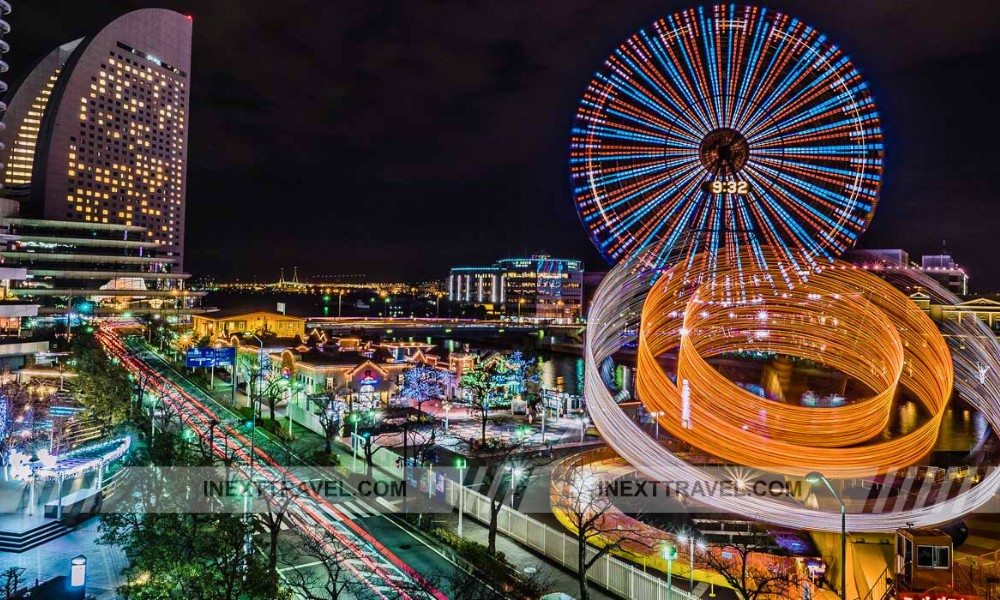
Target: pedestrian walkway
(52, 559)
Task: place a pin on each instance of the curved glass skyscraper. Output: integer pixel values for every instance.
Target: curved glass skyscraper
(95, 155)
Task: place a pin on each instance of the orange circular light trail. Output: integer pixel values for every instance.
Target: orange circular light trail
(841, 316)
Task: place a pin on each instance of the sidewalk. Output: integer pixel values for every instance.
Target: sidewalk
(52, 559)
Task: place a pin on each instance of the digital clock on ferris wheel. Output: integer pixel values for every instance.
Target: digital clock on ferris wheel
(726, 187)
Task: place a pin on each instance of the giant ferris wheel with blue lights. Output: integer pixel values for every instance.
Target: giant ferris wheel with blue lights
(727, 128)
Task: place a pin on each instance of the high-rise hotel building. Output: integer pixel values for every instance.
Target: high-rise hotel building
(95, 159)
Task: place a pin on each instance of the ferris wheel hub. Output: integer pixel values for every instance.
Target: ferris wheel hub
(724, 151)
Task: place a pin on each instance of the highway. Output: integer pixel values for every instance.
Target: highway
(382, 571)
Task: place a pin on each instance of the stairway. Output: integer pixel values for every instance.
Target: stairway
(36, 536)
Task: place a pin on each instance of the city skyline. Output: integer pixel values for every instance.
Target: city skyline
(497, 116)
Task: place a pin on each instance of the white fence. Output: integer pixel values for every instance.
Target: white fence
(611, 573)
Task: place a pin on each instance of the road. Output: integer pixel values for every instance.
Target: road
(385, 557)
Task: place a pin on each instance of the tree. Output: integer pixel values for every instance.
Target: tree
(590, 515)
(523, 375)
(331, 409)
(506, 470)
(275, 384)
(329, 576)
(483, 384)
(103, 387)
(277, 509)
(752, 566)
(10, 581)
(423, 382)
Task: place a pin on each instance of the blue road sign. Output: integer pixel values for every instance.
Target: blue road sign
(211, 357)
(225, 356)
(200, 357)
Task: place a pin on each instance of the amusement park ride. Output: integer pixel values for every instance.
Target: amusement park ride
(723, 159)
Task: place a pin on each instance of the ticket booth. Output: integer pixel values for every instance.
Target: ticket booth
(923, 560)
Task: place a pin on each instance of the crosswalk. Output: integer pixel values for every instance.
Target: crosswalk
(351, 509)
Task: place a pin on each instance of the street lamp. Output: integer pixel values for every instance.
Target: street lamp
(815, 478)
(670, 554)
(583, 427)
(656, 420)
(461, 463)
(447, 409)
(689, 539)
(354, 418)
(515, 474)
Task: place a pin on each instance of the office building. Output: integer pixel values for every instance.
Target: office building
(477, 286)
(536, 287)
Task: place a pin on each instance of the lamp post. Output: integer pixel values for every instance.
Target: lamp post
(152, 419)
(447, 409)
(689, 539)
(670, 553)
(814, 478)
(355, 417)
(583, 427)
(515, 474)
(461, 463)
(656, 421)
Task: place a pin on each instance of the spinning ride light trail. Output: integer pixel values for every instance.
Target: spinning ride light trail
(727, 127)
(842, 317)
(614, 322)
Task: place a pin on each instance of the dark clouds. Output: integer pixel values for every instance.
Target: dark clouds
(398, 138)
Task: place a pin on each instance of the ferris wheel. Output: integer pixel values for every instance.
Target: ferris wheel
(727, 128)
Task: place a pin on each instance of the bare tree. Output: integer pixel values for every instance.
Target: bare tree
(508, 471)
(330, 411)
(319, 567)
(276, 515)
(594, 521)
(751, 566)
(10, 581)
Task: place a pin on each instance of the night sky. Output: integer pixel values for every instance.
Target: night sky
(398, 138)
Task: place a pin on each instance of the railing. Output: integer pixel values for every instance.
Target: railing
(882, 588)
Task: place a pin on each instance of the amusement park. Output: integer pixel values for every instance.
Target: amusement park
(745, 395)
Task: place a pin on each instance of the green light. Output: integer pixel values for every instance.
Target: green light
(461, 463)
(355, 417)
(670, 553)
(126, 315)
(326, 297)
